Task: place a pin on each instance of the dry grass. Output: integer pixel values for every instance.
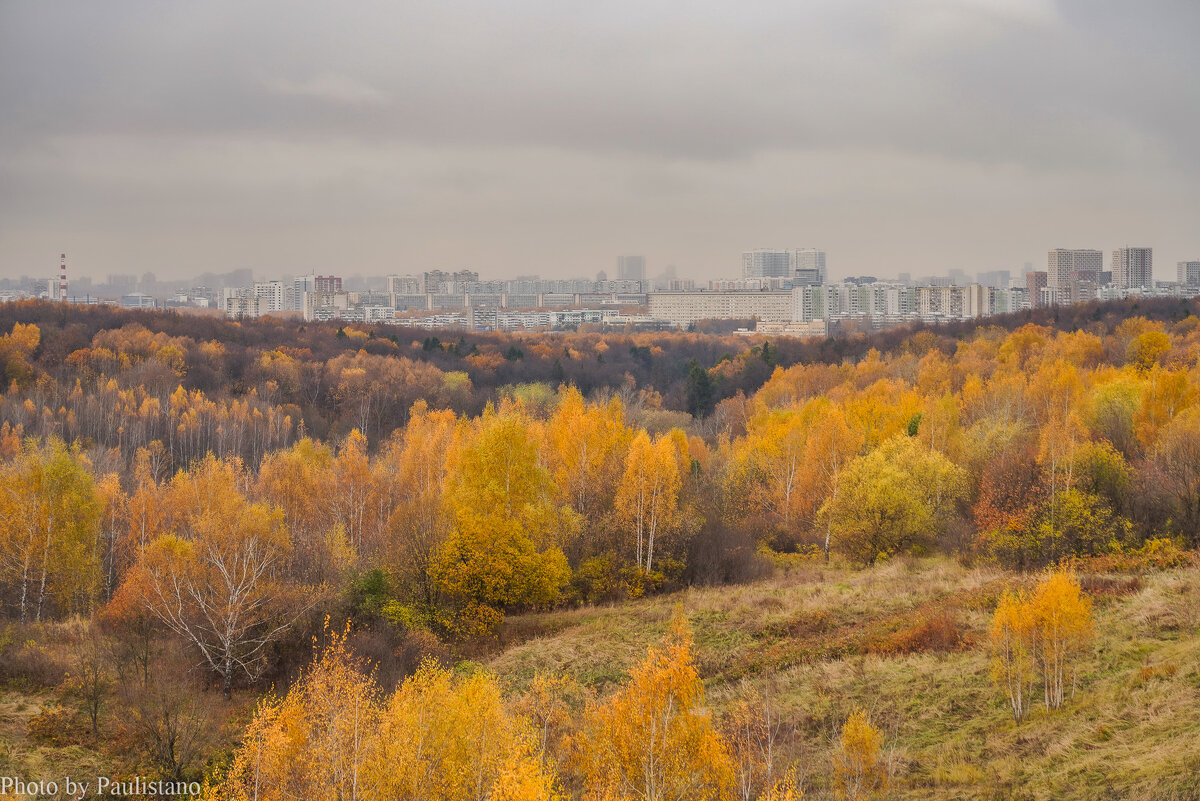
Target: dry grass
(27, 757)
(818, 641)
(901, 639)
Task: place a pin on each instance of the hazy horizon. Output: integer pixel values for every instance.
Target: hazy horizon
(911, 136)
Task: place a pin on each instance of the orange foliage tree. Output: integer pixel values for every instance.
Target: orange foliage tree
(652, 739)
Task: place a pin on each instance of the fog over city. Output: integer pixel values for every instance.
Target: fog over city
(545, 137)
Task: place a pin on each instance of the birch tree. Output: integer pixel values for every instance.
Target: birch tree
(218, 582)
(648, 496)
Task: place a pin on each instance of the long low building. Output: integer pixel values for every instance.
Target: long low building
(685, 308)
(881, 303)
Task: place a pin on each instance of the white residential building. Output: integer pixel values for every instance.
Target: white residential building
(301, 285)
(684, 308)
(1062, 262)
(1133, 267)
(763, 263)
(950, 302)
(270, 295)
(243, 306)
(808, 266)
(1189, 273)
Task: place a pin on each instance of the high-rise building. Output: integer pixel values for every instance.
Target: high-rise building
(631, 268)
(439, 282)
(1133, 267)
(270, 295)
(809, 264)
(1083, 285)
(1061, 262)
(300, 285)
(999, 279)
(404, 285)
(1189, 273)
(1035, 282)
(763, 263)
(328, 283)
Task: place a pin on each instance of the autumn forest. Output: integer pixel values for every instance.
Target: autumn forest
(285, 560)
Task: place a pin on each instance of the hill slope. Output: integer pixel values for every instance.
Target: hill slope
(907, 641)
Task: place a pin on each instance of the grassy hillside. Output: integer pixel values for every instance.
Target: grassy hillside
(907, 641)
(47, 757)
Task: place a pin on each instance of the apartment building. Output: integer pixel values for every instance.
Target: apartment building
(1133, 267)
(1061, 263)
(684, 308)
(1188, 273)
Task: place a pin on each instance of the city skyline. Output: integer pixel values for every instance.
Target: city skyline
(920, 135)
(1165, 271)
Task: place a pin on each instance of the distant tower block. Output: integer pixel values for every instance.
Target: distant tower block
(62, 278)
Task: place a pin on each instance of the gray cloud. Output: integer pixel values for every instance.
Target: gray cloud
(548, 136)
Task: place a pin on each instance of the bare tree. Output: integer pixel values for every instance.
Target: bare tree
(91, 679)
(172, 722)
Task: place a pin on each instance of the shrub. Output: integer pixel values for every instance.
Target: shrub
(54, 725)
(1154, 554)
(596, 579)
(1070, 524)
(30, 663)
(1149, 673)
(939, 632)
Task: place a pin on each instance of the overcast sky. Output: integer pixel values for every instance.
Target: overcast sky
(549, 136)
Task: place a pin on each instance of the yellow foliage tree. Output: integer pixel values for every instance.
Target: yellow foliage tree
(49, 529)
(503, 550)
(1147, 349)
(353, 492)
(297, 481)
(315, 742)
(653, 739)
(584, 446)
(437, 738)
(772, 457)
(444, 738)
(648, 497)
(1040, 636)
(16, 349)
(1012, 644)
(893, 498)
(787, 789)
(1062, 616)
(419, 523)
(858, 769)
(830, 447)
